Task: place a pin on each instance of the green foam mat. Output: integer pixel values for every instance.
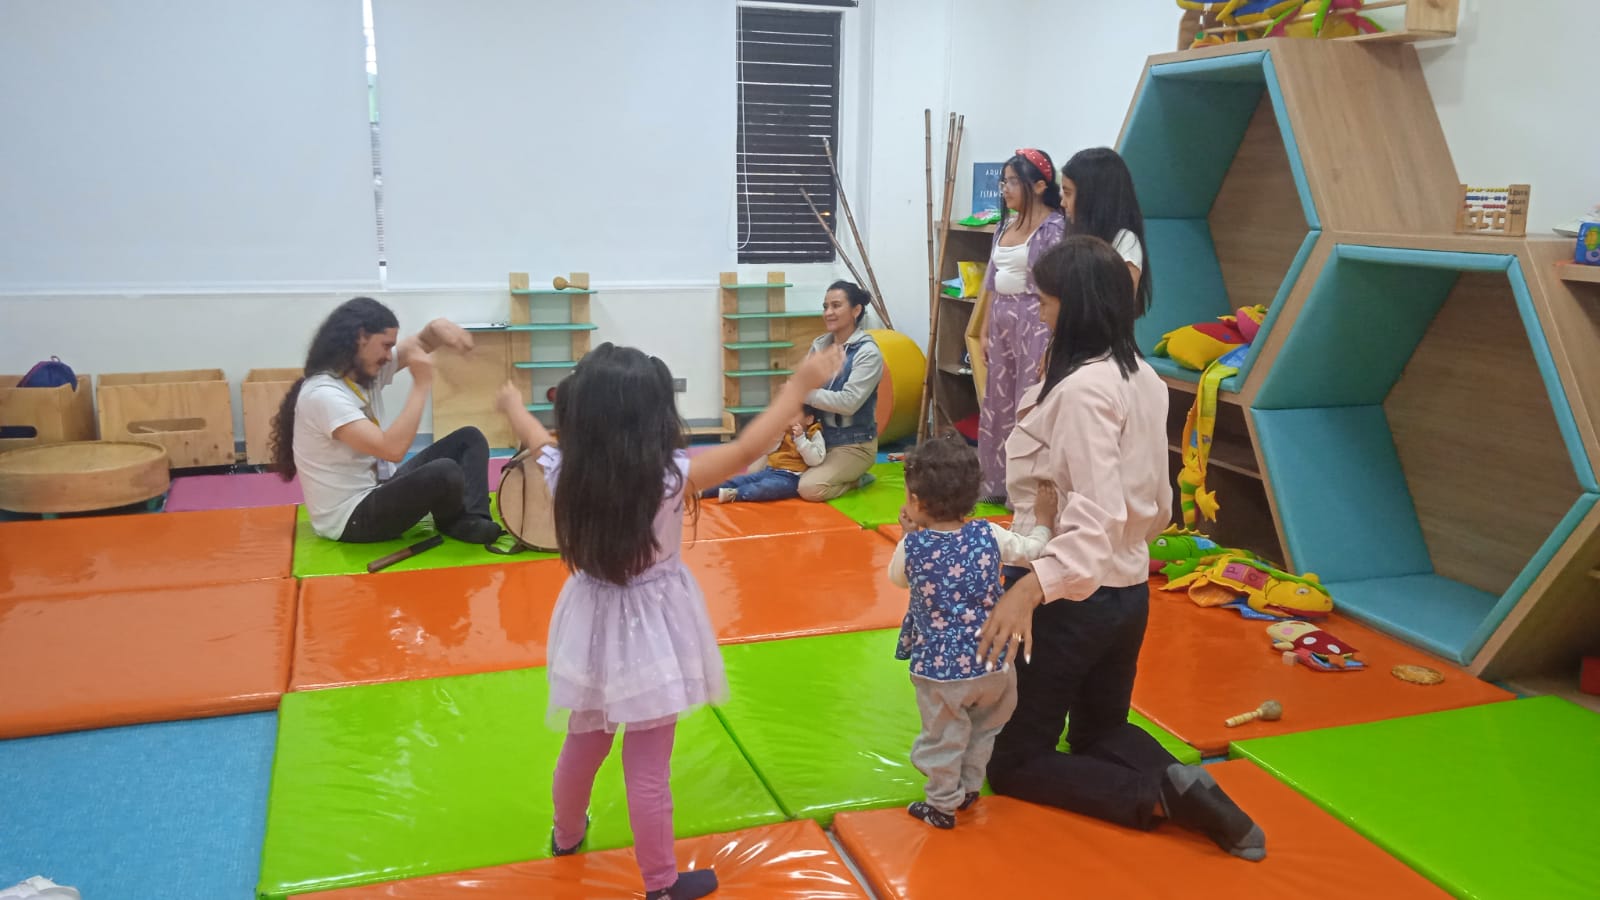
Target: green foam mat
(828, 722)
(1494, 801)
(315, 555)
(879, 503)
(383, 782)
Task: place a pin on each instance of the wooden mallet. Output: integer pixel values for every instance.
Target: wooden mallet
(1270, 710)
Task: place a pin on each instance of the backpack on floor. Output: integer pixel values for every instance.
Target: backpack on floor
(526, 506)
(50, 373)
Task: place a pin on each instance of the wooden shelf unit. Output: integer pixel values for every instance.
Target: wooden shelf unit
(762, 340)
(1575, 272)
(955, 394)
(1234, 472)
(548, 331)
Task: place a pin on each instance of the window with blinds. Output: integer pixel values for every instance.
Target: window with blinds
(788, 101)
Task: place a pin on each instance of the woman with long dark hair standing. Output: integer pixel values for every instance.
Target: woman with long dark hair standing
(1014, 339)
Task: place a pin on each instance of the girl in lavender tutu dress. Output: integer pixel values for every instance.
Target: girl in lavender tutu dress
(631, 646)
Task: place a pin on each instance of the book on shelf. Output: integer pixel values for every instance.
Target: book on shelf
(986, 187)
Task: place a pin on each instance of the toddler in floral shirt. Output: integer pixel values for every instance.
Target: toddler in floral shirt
(952, 567)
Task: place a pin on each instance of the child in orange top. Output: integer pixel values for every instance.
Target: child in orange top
(800, 448)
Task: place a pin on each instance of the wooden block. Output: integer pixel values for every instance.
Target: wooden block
(520, 311)
(81, 476)
(55, 414)
(262, 393)
(189, 412)
(1432, 17)
(465, 384)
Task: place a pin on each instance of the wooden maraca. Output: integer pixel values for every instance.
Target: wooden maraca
(1270, 710)
(560, 283)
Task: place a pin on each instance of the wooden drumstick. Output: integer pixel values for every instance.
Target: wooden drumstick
(404, 553)
(1270, 710)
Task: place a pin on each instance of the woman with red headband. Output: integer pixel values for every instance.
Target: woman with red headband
(1014, 338)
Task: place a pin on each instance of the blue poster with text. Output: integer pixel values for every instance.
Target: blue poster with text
(986, 187)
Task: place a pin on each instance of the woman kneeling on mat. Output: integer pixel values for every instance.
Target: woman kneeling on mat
(1095, 430)
(328, 431)
(848, 403)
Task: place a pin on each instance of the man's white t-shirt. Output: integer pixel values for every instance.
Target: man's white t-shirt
(334, 477)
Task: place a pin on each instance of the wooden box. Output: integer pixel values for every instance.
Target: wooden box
(188, 412)
(54, 415)
(262, 392)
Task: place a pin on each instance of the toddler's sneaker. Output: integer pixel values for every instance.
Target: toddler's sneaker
(39, 888)
(967, 801)
(932, 816)
(727, 495)
(689, 886)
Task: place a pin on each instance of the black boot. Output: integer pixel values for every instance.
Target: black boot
(688, 886)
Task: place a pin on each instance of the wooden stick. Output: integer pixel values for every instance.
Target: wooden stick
(933, 280)
(404, 553)
(952, 149)
(821, 220)
(1307, 17)
(944, 203)
(866, 261)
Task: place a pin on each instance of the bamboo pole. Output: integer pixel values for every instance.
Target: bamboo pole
(933, 279)
(952, 150)
(823, 221)
(861, 247)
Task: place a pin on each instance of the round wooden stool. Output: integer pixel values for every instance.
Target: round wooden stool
(81, 476)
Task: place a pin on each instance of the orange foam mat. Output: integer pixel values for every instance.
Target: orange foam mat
(1199, 666)
(98, 659)
(135, 552)
(362, 629)
(788, 860)
(1005, 847)
(732, 521)
(797, 585)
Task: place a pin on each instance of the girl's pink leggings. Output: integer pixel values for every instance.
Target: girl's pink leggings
(646, 766)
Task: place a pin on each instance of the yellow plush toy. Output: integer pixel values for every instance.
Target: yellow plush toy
(1195, 346)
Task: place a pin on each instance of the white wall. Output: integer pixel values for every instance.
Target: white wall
(1064, 86)
(1515, 96)
(1068, 91)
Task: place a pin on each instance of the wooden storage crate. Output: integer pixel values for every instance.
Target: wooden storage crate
(188, 412)
(262, 393)
(54, 415)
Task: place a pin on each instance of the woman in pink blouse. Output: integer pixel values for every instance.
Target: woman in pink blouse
(1094, 429)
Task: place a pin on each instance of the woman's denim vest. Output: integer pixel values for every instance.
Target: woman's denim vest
(862, 427)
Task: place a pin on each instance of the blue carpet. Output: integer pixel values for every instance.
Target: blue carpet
(174, 810)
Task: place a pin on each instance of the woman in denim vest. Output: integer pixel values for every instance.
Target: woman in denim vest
(849, 402)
